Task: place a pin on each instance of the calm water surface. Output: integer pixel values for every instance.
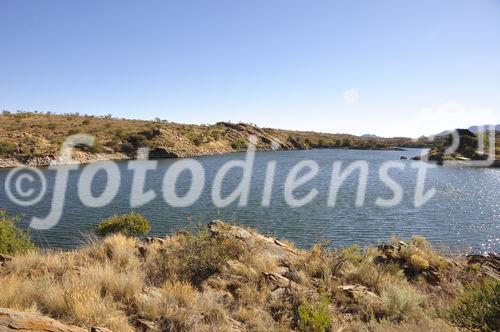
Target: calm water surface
(464, 213)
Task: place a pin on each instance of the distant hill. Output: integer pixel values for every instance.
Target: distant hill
(369, 136)
(474, 129)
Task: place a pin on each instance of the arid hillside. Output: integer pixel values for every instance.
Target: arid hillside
(26, 136)
(228, 278)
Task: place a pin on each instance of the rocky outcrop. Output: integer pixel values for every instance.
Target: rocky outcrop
(465, 153)
(266, 244)
(267, 137)
(360, 294)
(9, 163)
(489, 264)
(4, 259)
(43, 161)
(160, 153)
(11, 320)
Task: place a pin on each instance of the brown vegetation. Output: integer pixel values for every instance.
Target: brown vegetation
(227, 278)
(25, 136)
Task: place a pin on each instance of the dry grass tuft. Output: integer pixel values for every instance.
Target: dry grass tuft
(400, 301)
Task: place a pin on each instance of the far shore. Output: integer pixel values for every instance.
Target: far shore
(35, 139)
(83, 158)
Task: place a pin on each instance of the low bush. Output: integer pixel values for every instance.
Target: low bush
(95, 148)
(7, 147)
(193, 257)
(315, 317)
(198, 140)
(478, 308)
(134, 141)
(131, 224)
(150, 133)
(12, 239)
(239, 144)
(364, 273)
(400, 301)
(353, 253)
(427, 253)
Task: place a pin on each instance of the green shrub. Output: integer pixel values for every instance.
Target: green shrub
(204, 255)
(478, 308)
(132, 224)
(7, 147)
(215, 135)
(353, 253)
(12, 239)
(194, 257)
(315, 317)
(95, 148)
(150, 133)
(239, 144)
(474, 268)
(198, 140)
(400, 301)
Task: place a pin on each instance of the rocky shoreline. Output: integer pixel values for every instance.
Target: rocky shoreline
(79, 158)
(82, 158)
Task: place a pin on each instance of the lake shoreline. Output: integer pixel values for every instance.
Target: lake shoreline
(83, 158)
(35, 139)
(458, 162)
(343, 223)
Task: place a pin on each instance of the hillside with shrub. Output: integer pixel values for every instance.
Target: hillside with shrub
(467, 147)
(36, 138)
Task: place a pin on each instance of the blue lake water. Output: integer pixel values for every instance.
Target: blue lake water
(464, 213)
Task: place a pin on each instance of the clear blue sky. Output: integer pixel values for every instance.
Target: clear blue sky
(276, 63)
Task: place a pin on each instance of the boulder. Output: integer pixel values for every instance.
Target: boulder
(11, 320)
(279, 281)
(490, 264)
(161, 153)
(4, 259)
(99, 329)
(158, 240)
(360, 294)
(146, 325)
(253, 240)
(234, 325)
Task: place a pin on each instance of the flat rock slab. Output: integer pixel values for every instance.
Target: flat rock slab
(11, 320)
